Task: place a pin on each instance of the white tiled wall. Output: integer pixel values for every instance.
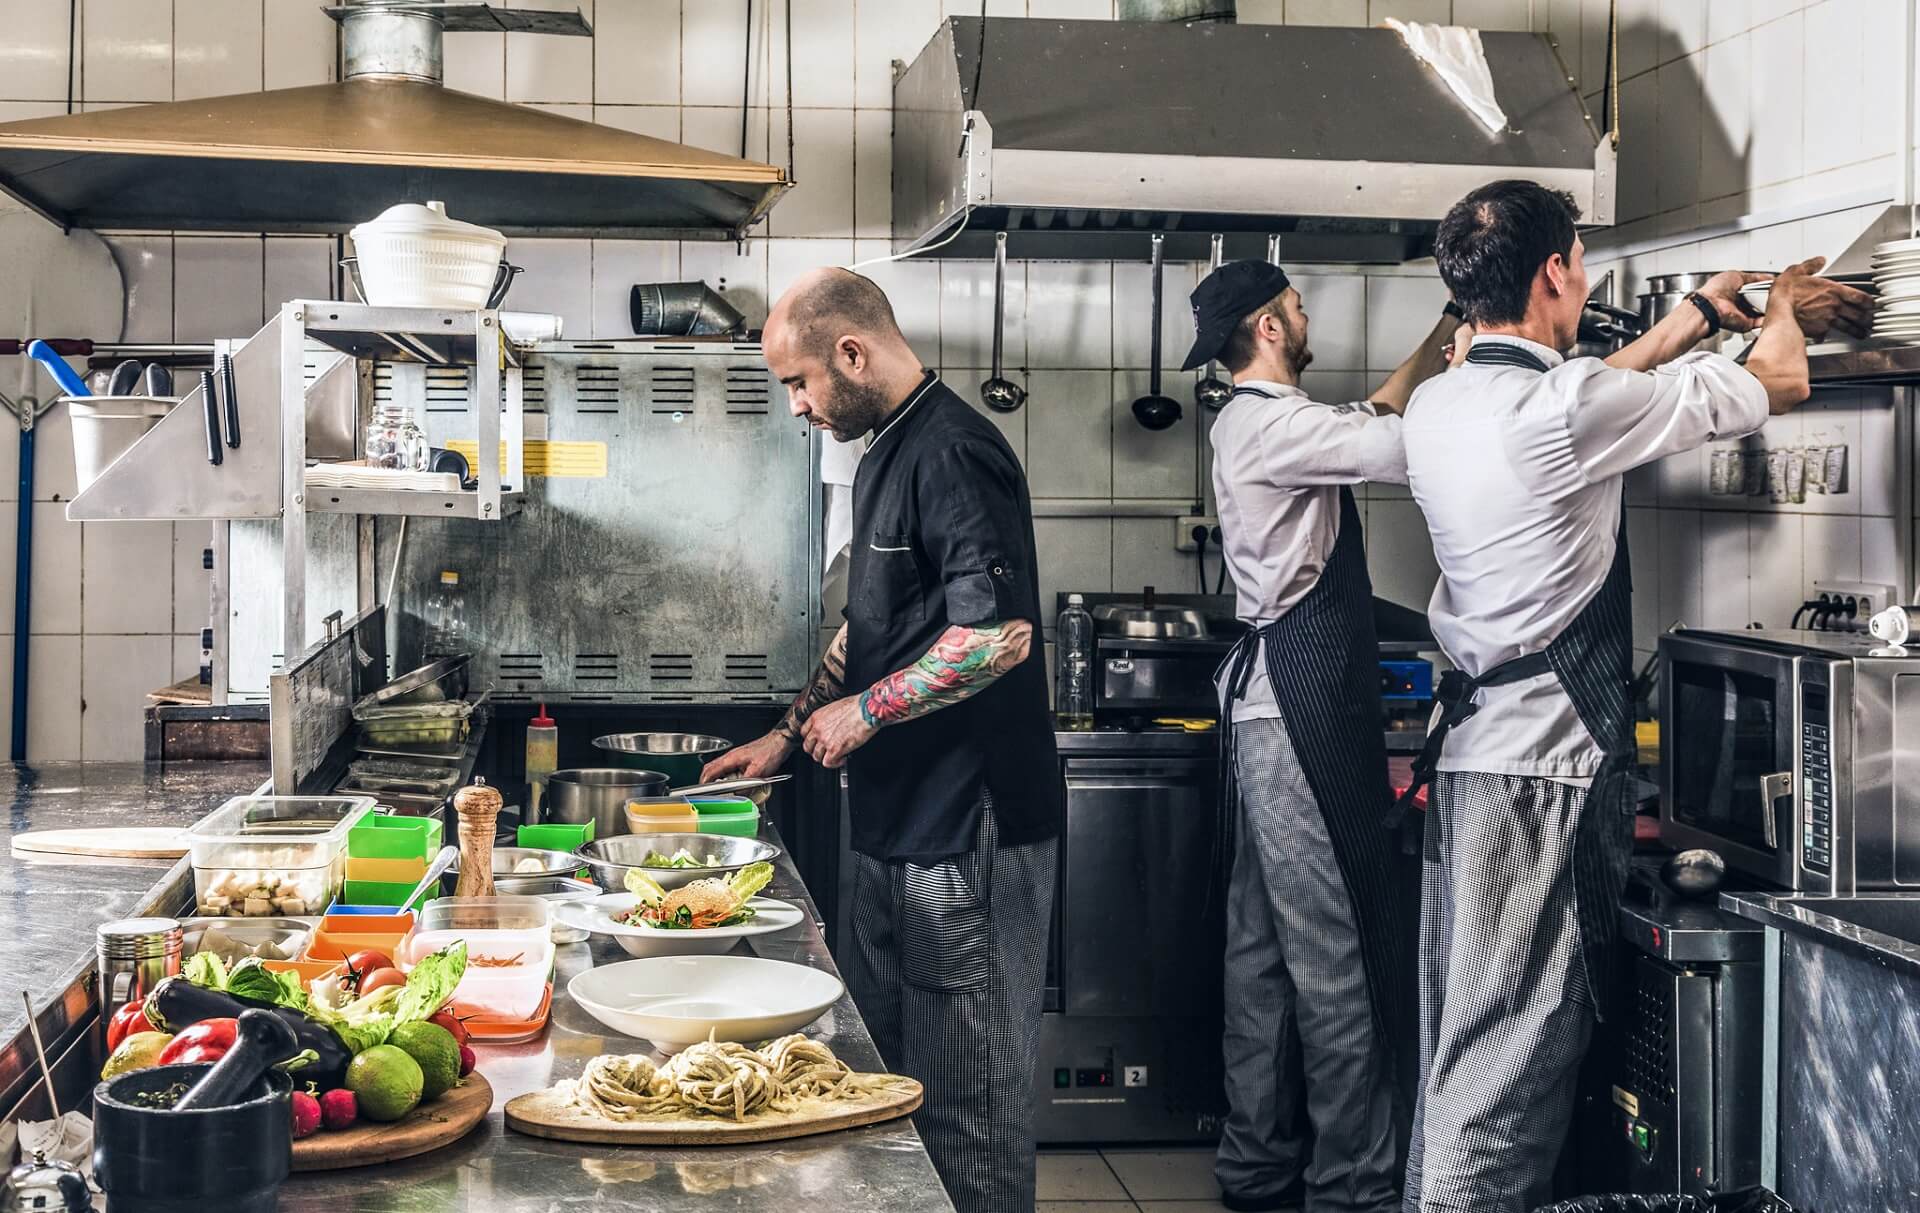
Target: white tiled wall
(1714, 89)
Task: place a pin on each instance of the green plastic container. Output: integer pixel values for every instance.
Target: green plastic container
(390, 836)
(383, 893)
(555, 836)
(738, 817)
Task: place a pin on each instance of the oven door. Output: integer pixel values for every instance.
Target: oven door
(1729, 741)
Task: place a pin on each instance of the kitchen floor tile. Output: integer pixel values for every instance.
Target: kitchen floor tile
(1077, 1178)
(1184, 1175)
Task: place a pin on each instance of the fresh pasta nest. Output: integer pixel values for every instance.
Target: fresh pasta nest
(719, 1078)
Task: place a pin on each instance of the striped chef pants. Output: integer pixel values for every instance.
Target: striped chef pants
(1505, 1008)
(947, 966)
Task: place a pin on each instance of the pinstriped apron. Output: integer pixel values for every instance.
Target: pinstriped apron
(1323, 660)
(1593, 660)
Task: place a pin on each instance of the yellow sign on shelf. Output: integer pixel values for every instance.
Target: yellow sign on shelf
(578, 460)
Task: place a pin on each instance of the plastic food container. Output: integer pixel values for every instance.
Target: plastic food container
(661, 815)
(509, 950)
(234, 939)
(343, 932)
(259, 856)
(739, 817)
(390, 836)
(415, 256)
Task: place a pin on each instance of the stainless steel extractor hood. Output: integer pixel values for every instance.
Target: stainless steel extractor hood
(1079, 138)
(325, 157)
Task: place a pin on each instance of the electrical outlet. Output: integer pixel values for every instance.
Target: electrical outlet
(1864, 598)
(1183, 531)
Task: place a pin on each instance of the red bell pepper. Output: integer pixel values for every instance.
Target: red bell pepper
(130, 1020)
(202, 1043)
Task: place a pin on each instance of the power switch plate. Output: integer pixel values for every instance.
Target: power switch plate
(1868, 598)
(1183, 531)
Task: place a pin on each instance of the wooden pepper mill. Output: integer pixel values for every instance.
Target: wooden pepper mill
(479, 809)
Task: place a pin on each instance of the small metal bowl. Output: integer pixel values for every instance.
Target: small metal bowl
(552, 890)
(506, 861)
(610, 859)
(1694, 873)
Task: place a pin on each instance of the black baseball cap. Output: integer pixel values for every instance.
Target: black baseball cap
(1226, 297)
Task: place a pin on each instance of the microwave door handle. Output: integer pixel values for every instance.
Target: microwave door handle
(1772, 788)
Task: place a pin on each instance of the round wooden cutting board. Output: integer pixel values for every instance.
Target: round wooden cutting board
(428, 1127)
(105, 842)
(550, 1114)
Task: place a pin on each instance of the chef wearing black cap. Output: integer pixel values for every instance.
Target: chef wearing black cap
(1311, 941)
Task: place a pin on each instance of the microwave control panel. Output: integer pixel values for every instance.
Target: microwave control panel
(1816, 775)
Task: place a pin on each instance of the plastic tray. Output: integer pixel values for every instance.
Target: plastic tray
(278, 848)
(384, 893)
(391, 871)
(339, 935)
(390, 836)
(555, 836)
(739, 817)
(497, 1030)
(310, 971)
(495, 927)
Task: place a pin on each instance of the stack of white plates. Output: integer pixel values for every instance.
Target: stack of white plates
(1896, 279)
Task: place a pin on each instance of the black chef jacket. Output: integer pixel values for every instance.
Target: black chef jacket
(943, 535)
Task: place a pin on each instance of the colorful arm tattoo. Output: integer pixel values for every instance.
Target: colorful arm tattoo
(828, 681)
(960, 664)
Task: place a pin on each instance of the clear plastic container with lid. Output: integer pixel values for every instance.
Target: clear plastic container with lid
(258, 856)
(509, 950)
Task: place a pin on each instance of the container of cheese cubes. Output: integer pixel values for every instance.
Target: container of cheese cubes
(266, 856)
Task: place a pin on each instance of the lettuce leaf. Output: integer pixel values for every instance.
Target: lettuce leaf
(359, 1036)
(206, 969)
(431, 983)
(252, 979)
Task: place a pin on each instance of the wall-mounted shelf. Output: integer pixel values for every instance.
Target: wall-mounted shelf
(1878, 363)
(417, 503)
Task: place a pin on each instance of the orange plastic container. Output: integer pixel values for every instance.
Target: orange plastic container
(338, 935)
(500, 1030)
(310, 971)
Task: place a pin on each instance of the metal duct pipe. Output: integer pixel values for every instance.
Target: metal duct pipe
(1177, 10)
(385, 41)
(682, 309)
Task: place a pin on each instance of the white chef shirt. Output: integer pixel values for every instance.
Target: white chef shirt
(1519, 475)
(1277, 470)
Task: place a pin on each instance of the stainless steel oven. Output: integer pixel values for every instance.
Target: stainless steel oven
(1796, 755)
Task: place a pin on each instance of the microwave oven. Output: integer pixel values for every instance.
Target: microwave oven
(1795, 755)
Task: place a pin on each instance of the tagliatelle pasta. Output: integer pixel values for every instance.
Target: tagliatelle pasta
(720, 1078)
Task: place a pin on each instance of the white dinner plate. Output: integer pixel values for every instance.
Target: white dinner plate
(600, 916)
(676, 1001)
(1897, 246)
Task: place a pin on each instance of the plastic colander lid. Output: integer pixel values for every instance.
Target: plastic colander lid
(415, 219)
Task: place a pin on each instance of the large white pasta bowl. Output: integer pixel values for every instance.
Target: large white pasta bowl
(675, 1001)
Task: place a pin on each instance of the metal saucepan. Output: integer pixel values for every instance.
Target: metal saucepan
(1213, 392)
(1000, 393)
(598, 795)
(678, 756)
(609, 859)
(1154, 410)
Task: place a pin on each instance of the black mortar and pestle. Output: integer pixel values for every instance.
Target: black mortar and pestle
(226, 1142)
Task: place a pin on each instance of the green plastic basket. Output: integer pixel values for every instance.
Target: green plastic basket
(555, 836)
(391, 836)
(739, 817)
(383, 893)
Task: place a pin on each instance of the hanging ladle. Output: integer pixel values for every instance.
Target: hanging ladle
(1213, 392)
(1154, 411)
(999, 393)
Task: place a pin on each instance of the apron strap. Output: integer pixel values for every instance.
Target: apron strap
(1455, 695)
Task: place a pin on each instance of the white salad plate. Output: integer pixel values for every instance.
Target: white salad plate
(601, 916)
(676, 1001)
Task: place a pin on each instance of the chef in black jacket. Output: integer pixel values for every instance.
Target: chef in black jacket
(933, 695)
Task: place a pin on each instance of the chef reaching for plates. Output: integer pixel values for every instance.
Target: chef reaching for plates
(1517, 460)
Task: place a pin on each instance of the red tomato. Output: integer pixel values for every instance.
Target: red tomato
(129, 1020)
(206, 1041)
(380, 979)
(452, 1023)
(368, 960)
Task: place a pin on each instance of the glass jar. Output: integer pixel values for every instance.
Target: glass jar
(395, 440)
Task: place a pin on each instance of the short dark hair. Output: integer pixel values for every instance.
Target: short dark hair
(1493, 242)
(841, 302)
(1237, 354)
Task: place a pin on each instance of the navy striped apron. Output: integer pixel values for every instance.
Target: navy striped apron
(1593, 659)
(1323, 660)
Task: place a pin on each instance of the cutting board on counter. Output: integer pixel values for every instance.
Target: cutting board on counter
(106, 842)
(428, 1127)
(550, 1114)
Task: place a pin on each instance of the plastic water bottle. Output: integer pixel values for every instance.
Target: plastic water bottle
(446, 619)
(1073, 649)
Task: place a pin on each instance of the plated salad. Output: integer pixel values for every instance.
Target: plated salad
(701, 904)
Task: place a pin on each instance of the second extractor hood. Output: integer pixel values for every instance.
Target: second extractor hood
(326, 157)
(1080, 138)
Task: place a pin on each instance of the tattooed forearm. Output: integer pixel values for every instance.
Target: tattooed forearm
(960, 664)
(826, 685)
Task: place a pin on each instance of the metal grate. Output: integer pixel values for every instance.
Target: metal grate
(670, 667)
(447, 390)
(1649, 1060)
(670, 390)
(533, 388)
(749, 391)
(596, 389)
(522, 667)
(746, 667)
(596, 668)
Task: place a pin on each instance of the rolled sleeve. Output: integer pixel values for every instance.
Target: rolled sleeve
(1621, 419)
(1309, 445)
(973, 510)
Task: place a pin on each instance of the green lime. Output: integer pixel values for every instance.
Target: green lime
(437, 1053)
(386, 1082)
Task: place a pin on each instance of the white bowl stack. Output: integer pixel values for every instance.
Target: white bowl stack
(1896, 278)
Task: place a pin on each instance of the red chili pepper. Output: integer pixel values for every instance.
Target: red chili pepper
(206, 1041)
(129, 1020)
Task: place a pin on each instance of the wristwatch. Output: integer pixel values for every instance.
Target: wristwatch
(1453, 309)
(1707, 310)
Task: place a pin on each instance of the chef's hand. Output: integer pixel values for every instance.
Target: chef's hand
(754, 760)
(1821, 304)
(836, 731)
(1723, 292)
(1456, 349)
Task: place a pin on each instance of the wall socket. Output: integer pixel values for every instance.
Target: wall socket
(1868, 599)
(1183, 531)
